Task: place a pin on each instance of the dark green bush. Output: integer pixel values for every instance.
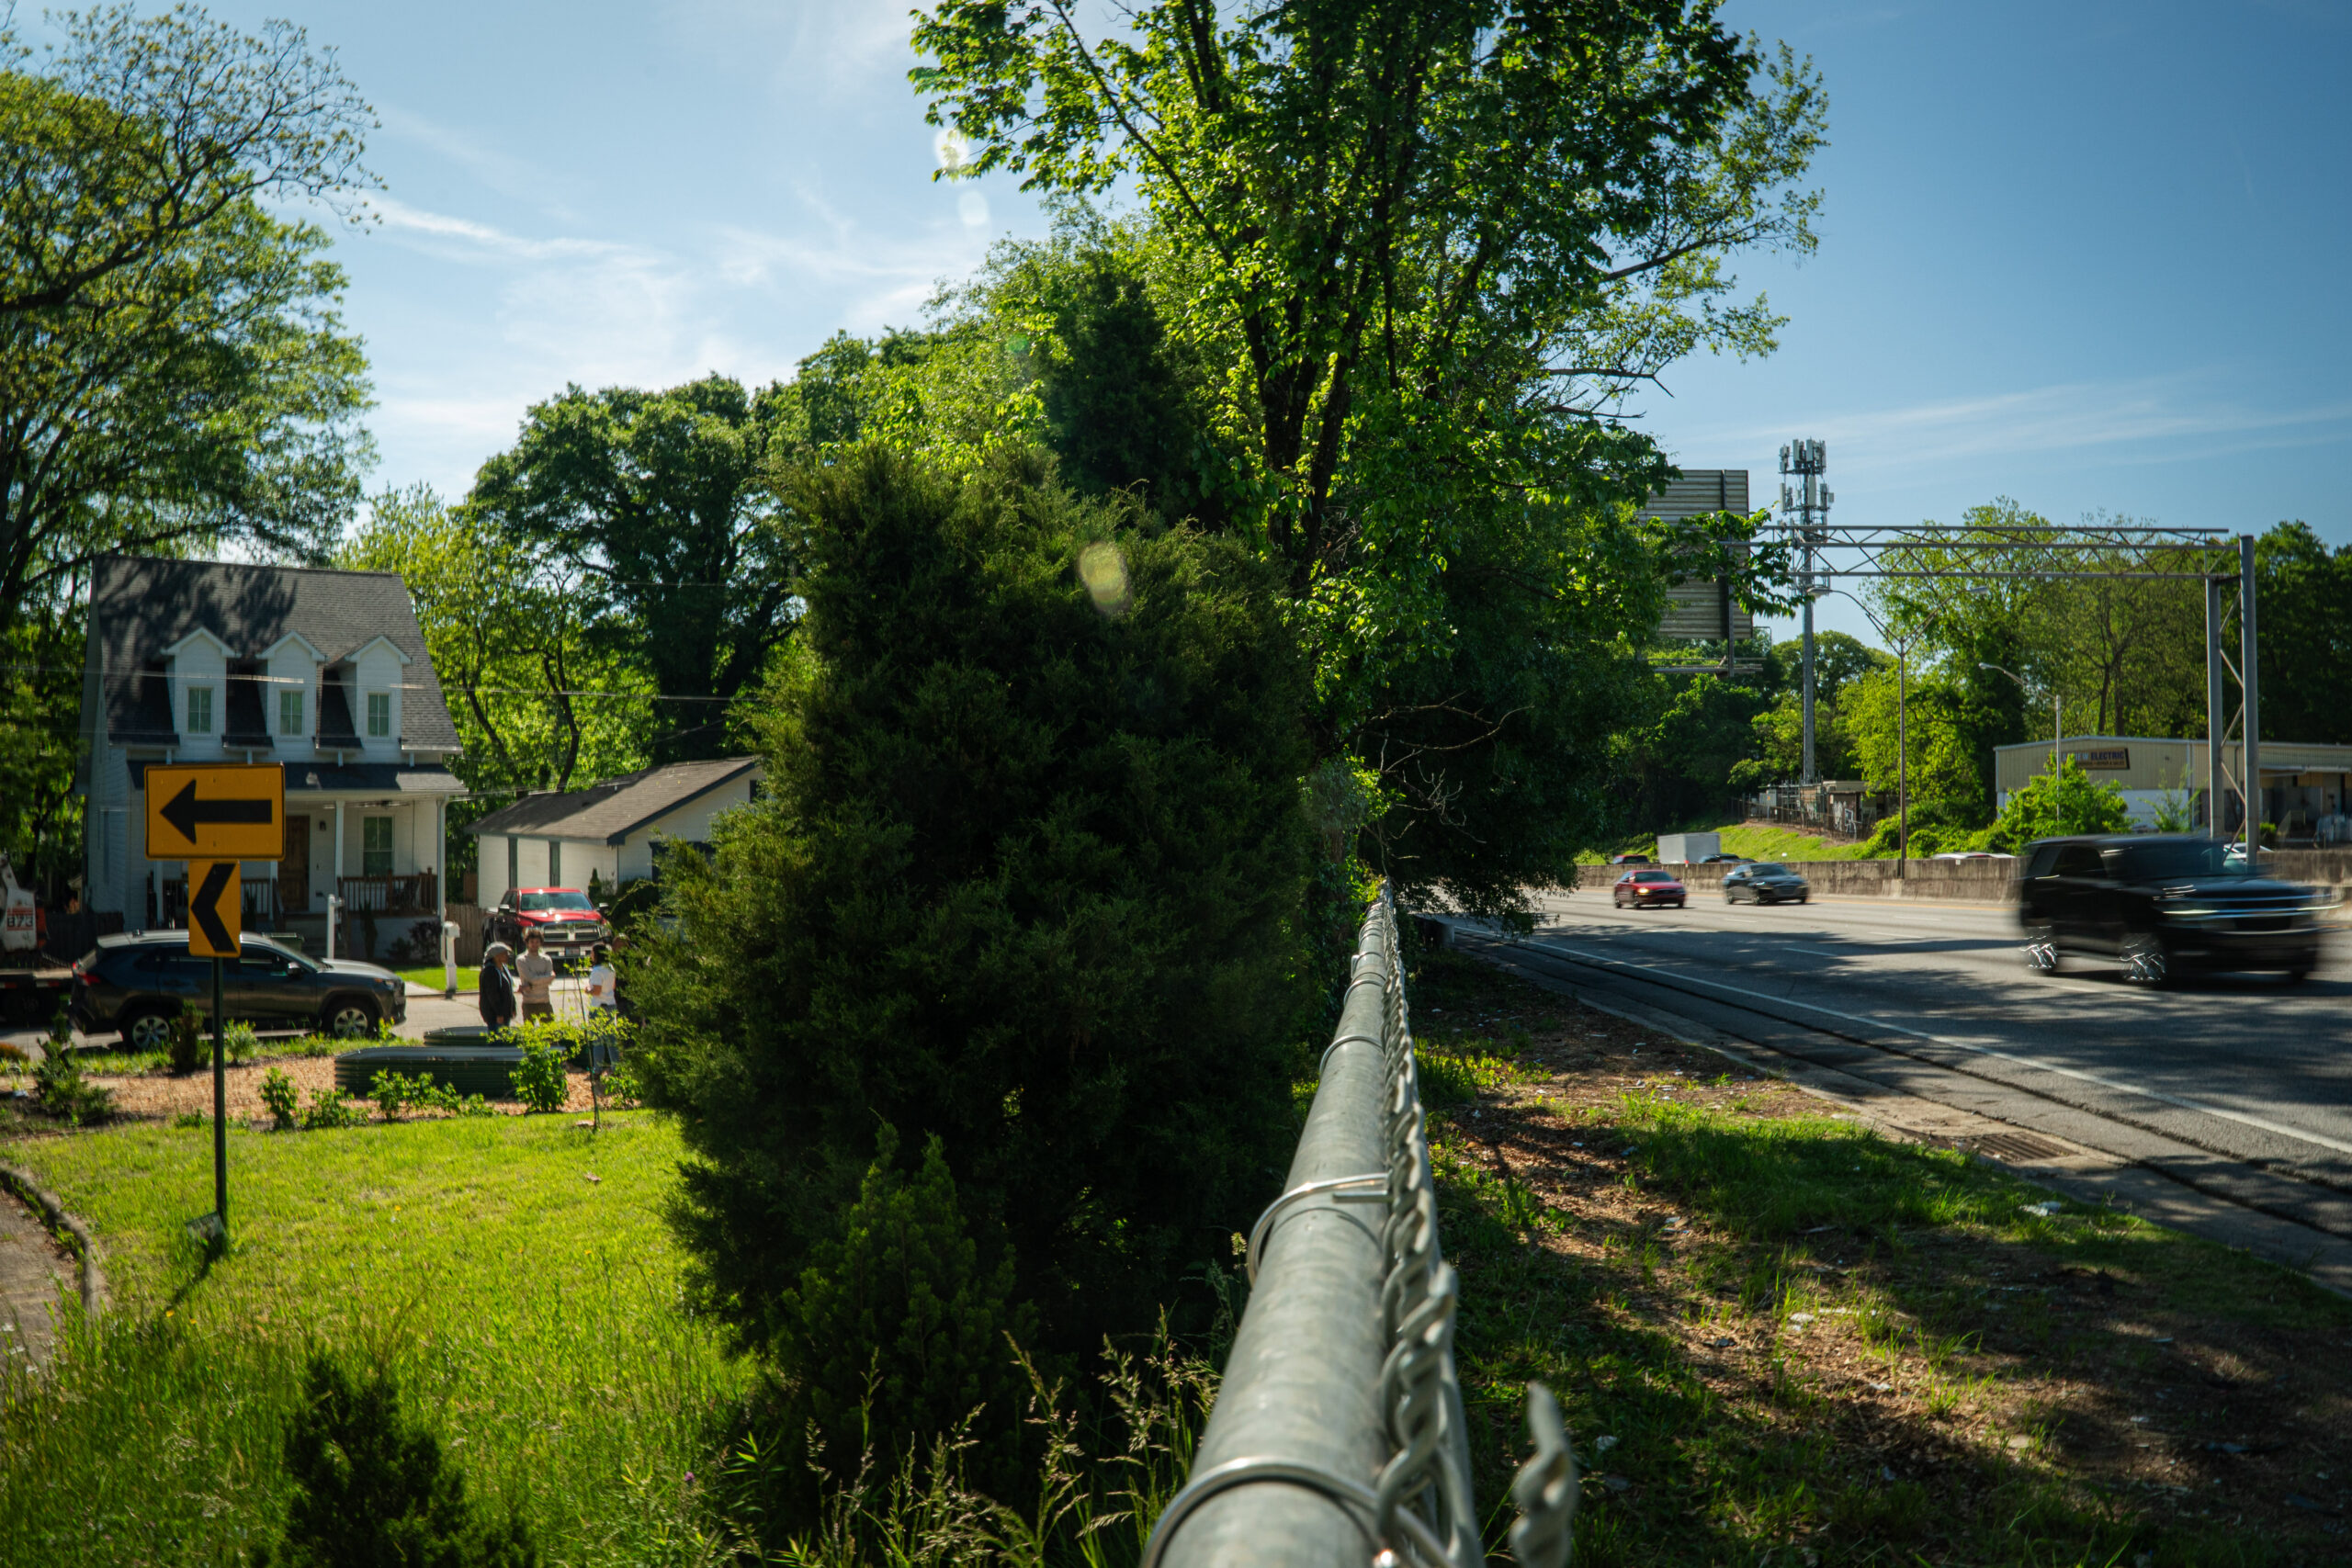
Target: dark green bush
(900, 1329)
(1024, 880)
(373, 1491)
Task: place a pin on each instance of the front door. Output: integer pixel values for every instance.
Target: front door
(294, 871)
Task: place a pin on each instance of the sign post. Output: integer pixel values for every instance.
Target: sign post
(212, 817)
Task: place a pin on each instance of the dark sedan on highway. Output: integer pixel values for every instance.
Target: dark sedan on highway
(1765, 883)
(2161, 904)
(1642, 889)
(134, 984)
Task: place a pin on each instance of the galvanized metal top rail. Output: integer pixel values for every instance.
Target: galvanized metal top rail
(1338, 1437)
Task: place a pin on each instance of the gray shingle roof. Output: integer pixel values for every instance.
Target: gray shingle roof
(140, 606)
(611, 811)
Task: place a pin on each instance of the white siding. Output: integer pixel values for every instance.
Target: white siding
(377, 669)
(199, 663)
(691, 823)
(291, 669)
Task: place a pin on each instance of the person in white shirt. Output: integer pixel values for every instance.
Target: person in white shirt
(603, 989)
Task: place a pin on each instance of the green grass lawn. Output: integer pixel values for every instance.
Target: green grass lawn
(432, 977)
(1783, 844)
(514, 1272)
(1779, 1338)
(1754, 841)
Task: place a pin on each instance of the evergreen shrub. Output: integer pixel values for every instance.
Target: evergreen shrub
(1023, 885)
(372, 1490)
(903, 1285)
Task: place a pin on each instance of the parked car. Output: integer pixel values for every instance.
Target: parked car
(133, 984)
(1642, 889)
(567, 922)
(1765, 883)
(2162, 904)
(1629, 860)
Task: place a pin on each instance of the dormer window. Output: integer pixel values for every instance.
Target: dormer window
(289, 710)
(199, 710)
(380, 715)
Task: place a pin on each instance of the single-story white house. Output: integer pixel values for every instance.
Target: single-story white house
(608, 830)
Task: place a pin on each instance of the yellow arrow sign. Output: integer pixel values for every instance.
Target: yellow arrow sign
(216, 811)
(216, 908)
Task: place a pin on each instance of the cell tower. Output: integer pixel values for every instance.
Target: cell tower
(1804, 506)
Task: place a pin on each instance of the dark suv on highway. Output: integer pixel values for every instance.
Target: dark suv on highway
(2160, 904)
(133, 984)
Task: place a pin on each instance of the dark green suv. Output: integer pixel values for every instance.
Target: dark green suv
(2162, 903)
(133, 984)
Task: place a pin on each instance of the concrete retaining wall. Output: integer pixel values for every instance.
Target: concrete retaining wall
(1983, 881)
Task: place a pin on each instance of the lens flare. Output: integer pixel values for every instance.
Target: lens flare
(1104, 573)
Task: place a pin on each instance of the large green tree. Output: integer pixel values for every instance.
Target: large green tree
(545, 694)
(173, 371)
(2304, 621)
(663, 502)
(1420, 254)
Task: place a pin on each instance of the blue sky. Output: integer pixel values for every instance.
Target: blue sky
(2088, 254)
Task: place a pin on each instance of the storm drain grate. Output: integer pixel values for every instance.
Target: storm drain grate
(2017, 1147)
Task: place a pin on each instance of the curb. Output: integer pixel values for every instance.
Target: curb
(91, 1272)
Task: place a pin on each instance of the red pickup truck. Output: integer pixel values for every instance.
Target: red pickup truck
(567, 922)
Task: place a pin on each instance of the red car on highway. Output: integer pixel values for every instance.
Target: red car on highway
(1642, 889)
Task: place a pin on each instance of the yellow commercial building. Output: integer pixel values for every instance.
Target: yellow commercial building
(2304, 786)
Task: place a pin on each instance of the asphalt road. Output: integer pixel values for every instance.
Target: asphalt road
(2243, 1066)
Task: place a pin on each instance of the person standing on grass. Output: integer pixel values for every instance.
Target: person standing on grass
(496, 987)
(604, 987)
(537, 972)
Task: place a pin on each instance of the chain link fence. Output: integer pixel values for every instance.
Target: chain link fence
(1339, 1436)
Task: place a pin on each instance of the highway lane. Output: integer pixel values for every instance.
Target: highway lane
(2241, 1065)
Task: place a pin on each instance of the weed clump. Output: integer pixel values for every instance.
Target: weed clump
(58, 1080)
(278, 1094)
(371, 1488)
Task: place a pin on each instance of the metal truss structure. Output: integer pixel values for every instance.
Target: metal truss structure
(1827, 554)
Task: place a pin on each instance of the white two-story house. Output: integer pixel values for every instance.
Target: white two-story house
(323, 673)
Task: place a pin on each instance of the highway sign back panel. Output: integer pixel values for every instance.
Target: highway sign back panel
(216, 811)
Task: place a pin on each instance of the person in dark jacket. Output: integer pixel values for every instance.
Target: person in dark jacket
(497, 987)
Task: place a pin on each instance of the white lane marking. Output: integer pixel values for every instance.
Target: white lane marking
(1821, 952)
(2122, 1085)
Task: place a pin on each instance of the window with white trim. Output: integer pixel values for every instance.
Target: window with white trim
(199, 710)
(376, 846)
(289, 710)
(380, 715)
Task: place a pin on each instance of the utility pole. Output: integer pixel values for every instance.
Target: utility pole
(1806, 503)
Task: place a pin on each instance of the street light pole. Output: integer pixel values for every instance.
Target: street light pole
(2057, 724)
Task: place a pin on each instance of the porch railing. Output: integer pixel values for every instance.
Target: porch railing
(389, 895)
(257, 900)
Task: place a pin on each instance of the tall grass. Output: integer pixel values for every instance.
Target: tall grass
(514, 1275)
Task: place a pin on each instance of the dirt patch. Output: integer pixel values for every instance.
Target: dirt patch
(162, 1096)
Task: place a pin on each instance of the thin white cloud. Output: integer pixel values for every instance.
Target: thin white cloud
(2181, 416)
(503, 171)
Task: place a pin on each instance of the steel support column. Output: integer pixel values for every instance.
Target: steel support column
(2250, 682)
(2217, 718)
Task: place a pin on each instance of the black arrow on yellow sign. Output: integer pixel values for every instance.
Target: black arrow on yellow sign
(215, 908)
(186, 813)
